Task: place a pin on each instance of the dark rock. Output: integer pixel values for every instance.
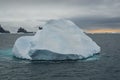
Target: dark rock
(22, 30)
(40, 28)
(3, 30)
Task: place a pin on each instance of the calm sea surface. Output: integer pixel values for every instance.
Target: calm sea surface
(105, 66)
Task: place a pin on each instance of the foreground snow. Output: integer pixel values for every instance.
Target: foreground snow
(59, 40)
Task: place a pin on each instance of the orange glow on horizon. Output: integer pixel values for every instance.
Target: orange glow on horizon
(103, 31)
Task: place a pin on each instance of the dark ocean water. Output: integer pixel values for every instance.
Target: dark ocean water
(105, 66)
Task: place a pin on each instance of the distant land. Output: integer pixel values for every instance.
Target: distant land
(22, 30)
(2, 30)
(13, 26)
(32, 26)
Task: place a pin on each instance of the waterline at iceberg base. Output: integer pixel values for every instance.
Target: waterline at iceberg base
(58, 40)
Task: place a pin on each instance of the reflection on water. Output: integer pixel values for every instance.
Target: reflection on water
(6, 52)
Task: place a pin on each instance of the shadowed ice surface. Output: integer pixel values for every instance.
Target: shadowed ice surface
(7, 53)
(105, 66)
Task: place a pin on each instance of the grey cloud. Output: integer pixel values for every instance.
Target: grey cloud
(97, 22)
(90, 13)
(57, 2)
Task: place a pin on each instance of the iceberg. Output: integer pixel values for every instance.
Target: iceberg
(58, 40)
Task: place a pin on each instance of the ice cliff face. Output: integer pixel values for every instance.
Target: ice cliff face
(58, 40)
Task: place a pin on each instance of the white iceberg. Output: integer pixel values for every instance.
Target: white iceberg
(58, 40)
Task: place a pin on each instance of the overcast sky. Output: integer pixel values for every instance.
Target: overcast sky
(88, 14)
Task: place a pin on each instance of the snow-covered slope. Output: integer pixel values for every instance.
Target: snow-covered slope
(58, 40)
